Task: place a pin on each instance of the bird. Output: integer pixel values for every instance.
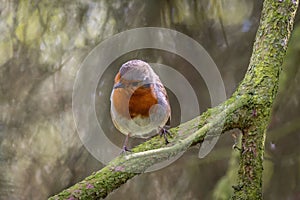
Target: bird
(140, 106)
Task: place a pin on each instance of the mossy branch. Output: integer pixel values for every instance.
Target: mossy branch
(248, 110)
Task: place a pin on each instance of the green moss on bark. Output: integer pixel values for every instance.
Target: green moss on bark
(248, 109)
(261, 82)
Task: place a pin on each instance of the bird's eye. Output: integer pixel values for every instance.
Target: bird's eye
(147, 85)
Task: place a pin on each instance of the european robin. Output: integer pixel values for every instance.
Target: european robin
(139, 102)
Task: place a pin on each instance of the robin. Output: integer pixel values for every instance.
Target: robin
(139, 102)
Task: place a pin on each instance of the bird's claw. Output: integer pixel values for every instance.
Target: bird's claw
(164, 132)
(125, 150)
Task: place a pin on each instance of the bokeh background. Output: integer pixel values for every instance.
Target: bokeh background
(43, 43)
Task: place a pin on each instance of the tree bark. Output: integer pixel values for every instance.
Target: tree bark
(248, 109)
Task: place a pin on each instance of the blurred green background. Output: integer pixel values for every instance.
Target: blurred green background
(43, 43)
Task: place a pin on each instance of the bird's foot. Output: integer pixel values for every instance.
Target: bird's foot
(165, 132)
(125, 149)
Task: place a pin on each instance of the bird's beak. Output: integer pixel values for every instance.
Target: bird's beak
(118, 85)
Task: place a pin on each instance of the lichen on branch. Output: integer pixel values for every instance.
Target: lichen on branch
(248, 109)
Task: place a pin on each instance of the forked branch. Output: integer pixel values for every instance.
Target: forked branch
(248, 109)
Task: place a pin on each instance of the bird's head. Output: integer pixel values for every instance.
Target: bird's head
(134, 74)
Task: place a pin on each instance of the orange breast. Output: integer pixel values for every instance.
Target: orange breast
(119, 100)
(141, 101)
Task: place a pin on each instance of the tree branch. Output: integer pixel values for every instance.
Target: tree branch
(248, 109)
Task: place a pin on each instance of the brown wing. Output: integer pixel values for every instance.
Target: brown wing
(162, 93)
